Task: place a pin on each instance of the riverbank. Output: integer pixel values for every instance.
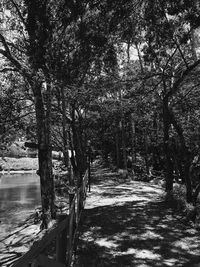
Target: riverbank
(24, 234)
(18, 165)
(21, 238)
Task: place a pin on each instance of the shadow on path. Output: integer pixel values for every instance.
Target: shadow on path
(129, 225)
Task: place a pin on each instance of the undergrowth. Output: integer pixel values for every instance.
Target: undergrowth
(177, 200)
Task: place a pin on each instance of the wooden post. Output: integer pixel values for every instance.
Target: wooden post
(81, 197)
(73, 219)
(71, 197)
(61, 243)
(89, 172)
(78, 207)
(71, 229)
(70, 174)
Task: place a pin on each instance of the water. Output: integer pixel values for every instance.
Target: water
(19, 196)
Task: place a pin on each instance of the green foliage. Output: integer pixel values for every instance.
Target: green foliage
(84, 50)
(179, 197)
(178, 201)
(15, 150)
(16, 110)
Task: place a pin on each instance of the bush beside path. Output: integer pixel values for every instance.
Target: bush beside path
(127, 223)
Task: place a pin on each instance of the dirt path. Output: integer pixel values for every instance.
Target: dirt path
(128, 224)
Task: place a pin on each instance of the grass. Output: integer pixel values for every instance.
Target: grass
(18, 164)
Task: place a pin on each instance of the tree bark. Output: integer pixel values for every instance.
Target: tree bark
(77, 147)
(146, 152)
(185, 155)
(123, 144)
(64, 129)
(44, 151)
(117, 148)
(166, 127)
(133, 139)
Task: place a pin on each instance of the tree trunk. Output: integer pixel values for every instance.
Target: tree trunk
(44, 152)
(72, 161)
(49, 146)
(117, 148)
(133, 139)
(123, 144)
(196, 193)
(187, 163)
(146, 152)
(186, 157)
(77, 147)
(169, 165)
(64, 129)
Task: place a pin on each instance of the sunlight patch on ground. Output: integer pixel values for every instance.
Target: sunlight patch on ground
(21, 249)
(151, 234)
(181, 244)
(87, 235)
(170, 262)
(115, 198)
(188, 244)
(104, 242)
(163, 226)
(146, 254)
(147, 189)
(23, 234)
(98, 201)
(191, 231)
(20, 240)
(147, 227)
(140, 254)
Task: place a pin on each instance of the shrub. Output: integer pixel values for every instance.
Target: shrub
(177, 200)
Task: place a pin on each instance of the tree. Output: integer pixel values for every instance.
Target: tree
(27, 22)
(171, 53)
(16, 108)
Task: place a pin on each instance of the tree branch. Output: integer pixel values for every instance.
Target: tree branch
(13, 120)
(8, 55)
(18, 12)
(3, 41)
(15, 47)
(180, 79)
(181, 53)
(7, 69)
(188, 92)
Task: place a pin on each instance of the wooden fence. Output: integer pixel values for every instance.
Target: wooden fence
(64, 234)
